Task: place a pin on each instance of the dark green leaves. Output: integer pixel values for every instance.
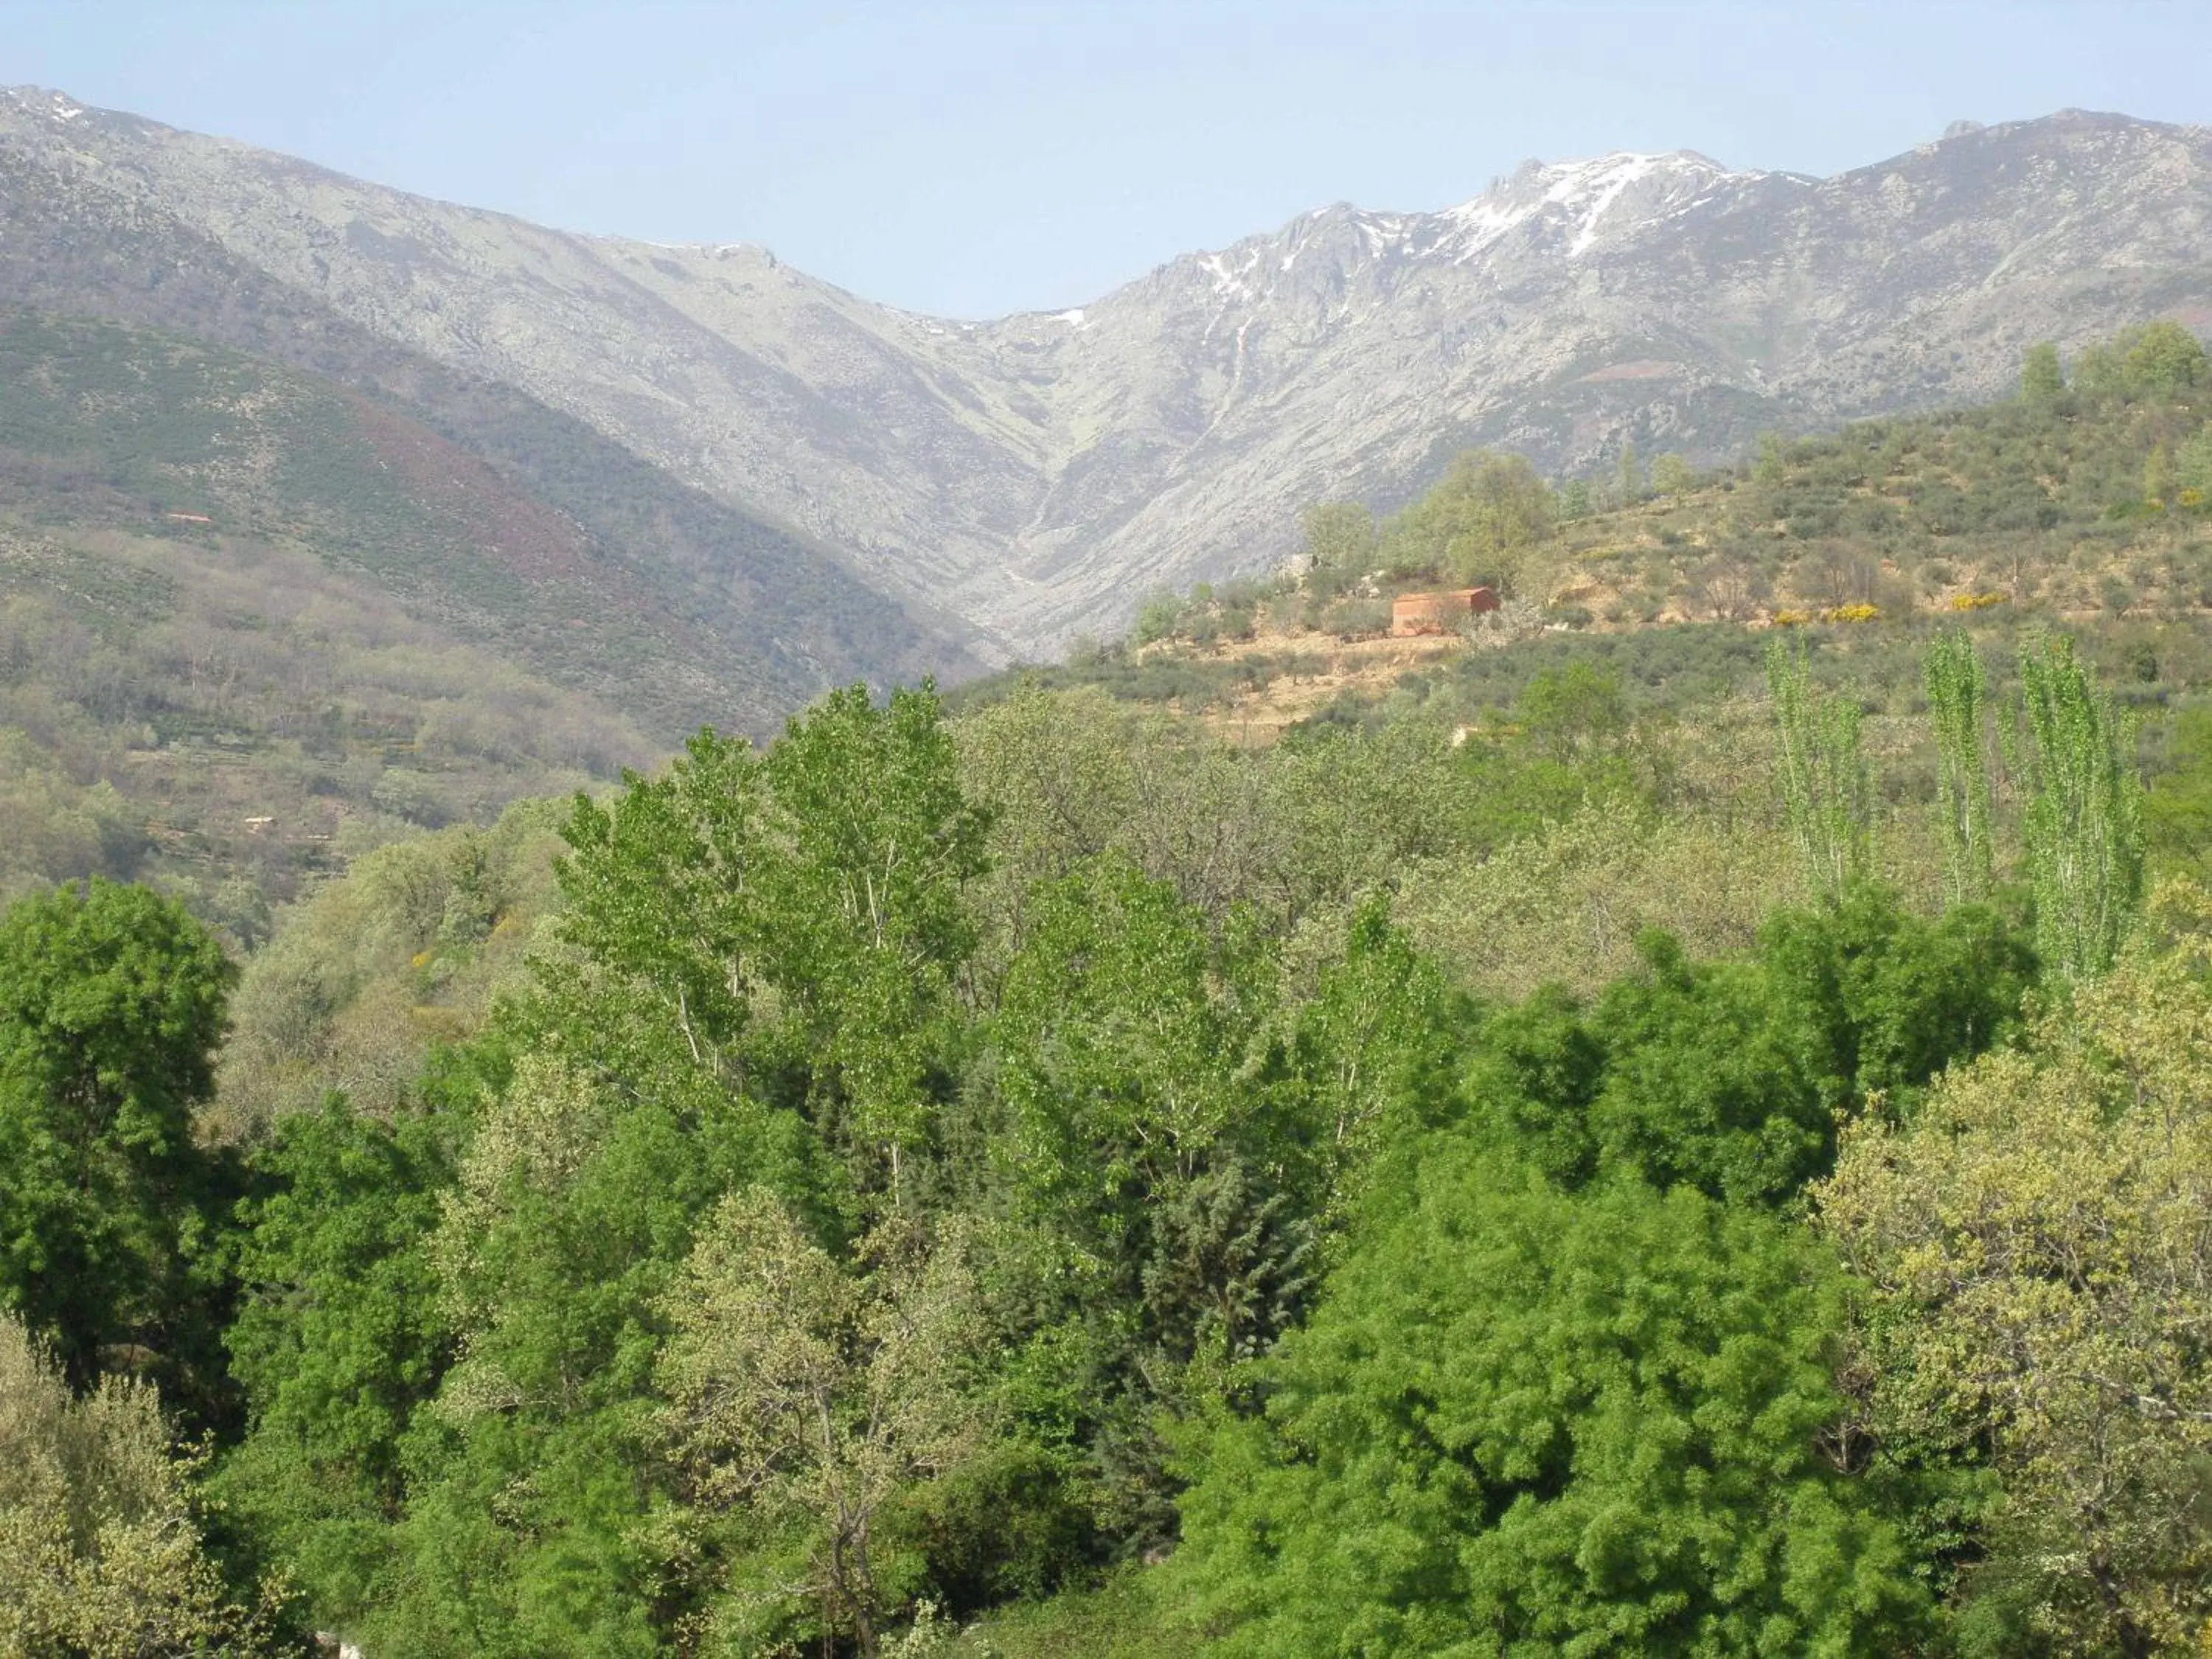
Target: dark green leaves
(111, 1005)
(1523, 1422)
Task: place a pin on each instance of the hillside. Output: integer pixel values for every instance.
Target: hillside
(250, 623)
(757, 617)
(2088, 507)
(1030, 475)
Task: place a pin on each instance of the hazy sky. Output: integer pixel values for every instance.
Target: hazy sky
(976, 158)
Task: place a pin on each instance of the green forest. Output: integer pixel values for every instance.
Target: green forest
(1686, 1135)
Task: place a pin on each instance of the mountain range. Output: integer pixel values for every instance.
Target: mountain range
(801, 485)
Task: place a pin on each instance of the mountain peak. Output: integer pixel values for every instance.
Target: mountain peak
(1575, 196)
(44, 101)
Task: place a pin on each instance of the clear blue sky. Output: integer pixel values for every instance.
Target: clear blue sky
(977, 158)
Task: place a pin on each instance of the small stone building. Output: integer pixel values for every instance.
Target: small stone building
(1439, 613)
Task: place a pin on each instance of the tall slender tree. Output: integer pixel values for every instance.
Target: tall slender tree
(1953, 675)
(1827, 788)
(2083, 824)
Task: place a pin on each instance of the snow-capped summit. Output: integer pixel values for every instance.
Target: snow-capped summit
(1573, 199)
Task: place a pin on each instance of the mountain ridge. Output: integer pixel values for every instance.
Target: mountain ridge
(1033, 474)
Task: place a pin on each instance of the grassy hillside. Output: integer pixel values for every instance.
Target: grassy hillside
(754, 617)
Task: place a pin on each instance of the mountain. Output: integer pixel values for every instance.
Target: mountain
(487, 509)
(1034, 475)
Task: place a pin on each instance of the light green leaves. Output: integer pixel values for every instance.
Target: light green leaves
(2082, 825)
(1827, 790)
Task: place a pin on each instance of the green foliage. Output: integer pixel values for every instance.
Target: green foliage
(101, 1550)
(1130, 1139)
(111, 1001)
(2035, 1243)
(338, 1340)
(1524, 1421)
(2192, 463)
(1475, 523)
(1826, 787)
(1952, 675)
(1671, 474)
(805, 1397)
(2041, 379)
(2165, 357)
(2082, 827)
(2178, 809)
(1340, 545)
(1574, 711)
(405, 950)
(912, 1153)
(1730, 1077)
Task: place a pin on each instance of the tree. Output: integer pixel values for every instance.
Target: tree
(1368, 1052)
(2163, 357)
(2192, 463)
(1731, 1076)
(1729, 585)
(1477, 523)
(802, 1392)
(2178, 809)
(1575, 712)
(2158, 478)
(100, 1547)
(1157, 618)
(341, 1337)
(2082, 825)
(1138, 1143)
(1953, 676)
(2038, 1242)
(112, 1002)
(2041, 379)
(1827, 790)
(1522, 1421)
(532, 1476)
(1628, 475)
(1116, 1043)
(1340, 544)
(824, 879)
(1671, 474)
(862, 921)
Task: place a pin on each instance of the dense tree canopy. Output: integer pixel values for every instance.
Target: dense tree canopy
(112, 1002)
(1524, 1421)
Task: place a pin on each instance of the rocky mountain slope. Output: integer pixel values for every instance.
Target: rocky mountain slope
(1033, 475)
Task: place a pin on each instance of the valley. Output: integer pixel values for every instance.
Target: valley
(1478, 932)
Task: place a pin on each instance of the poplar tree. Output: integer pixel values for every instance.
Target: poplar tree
(1953, 675)
(1827, 790)
(2082, 827)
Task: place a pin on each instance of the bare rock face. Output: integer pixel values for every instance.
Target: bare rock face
(1033, 475)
